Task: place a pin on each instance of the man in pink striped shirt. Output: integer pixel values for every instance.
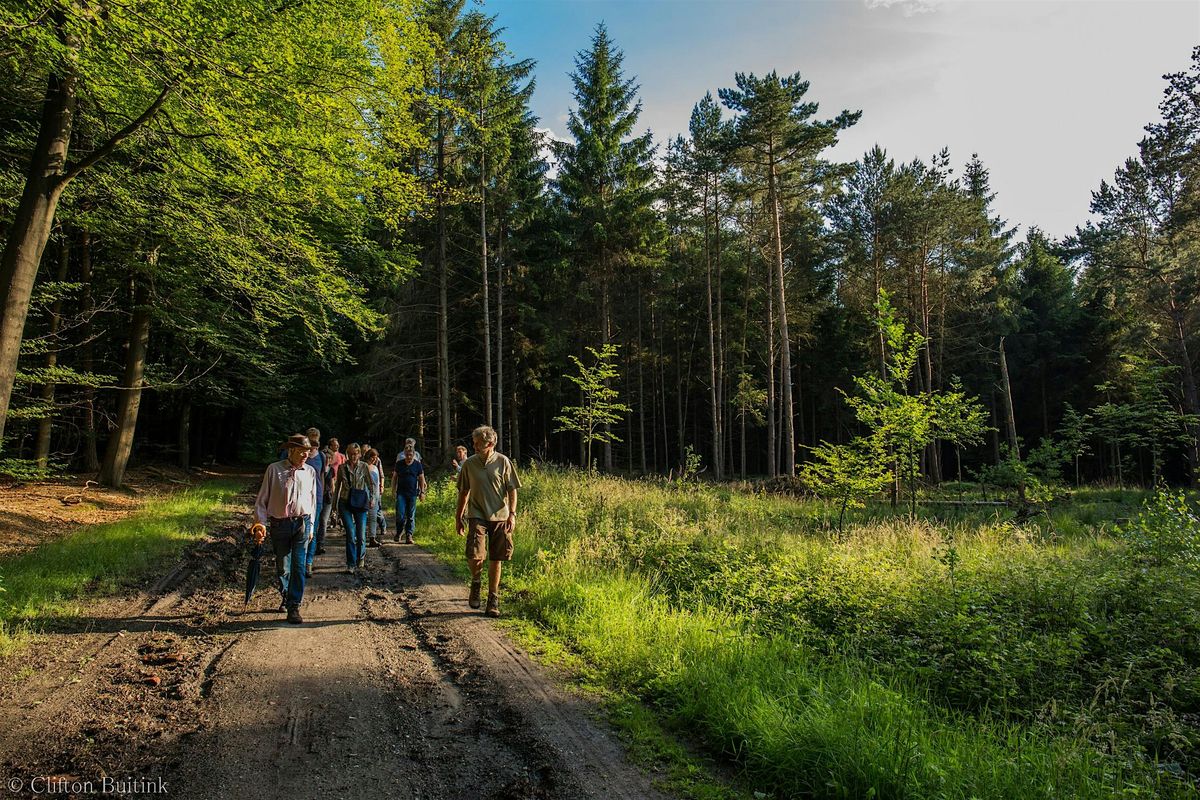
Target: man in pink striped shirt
(286, 498)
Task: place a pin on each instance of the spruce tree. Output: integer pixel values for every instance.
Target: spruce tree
(605, 177)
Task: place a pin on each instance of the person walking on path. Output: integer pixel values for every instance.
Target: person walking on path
(333, 459)
(375, 523)
(409, 442)
(487, 514)
(286, 499)
(352, 493)
(460, 457)
(316, 460)
(408, 479)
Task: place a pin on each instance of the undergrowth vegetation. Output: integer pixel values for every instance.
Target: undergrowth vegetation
(966, 657)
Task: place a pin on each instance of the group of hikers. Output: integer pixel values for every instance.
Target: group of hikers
(310, 490)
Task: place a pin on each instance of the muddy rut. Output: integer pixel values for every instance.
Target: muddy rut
(392, 688)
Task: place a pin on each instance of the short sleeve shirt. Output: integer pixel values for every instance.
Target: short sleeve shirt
(487, 483)
(408, 478)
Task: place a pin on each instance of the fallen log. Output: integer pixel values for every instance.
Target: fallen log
(77, 497)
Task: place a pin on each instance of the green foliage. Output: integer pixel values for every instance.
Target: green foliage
(1138, 412)
(847, 474)
(599, 408)
(1023, 479)
(23, 469)
(980, 658)
(903, 423)
(750, 400)
(689, 468)
(1166, 532)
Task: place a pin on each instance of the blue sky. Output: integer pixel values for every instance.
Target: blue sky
(1052, 95)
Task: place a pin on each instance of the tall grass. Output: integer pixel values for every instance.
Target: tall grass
(51, 579)
(971, 658)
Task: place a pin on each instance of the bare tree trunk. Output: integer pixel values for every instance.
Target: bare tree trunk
(443, 332)
(30, 228)
(483, 258)
(120, 444)
(712, 348)
(785, 346)
(500, 327)
(91, 455)
(515, 427)
(995, 427)
(41, 449)
(772, 452)
(641, 383)
(185, 434)
(1191, 396)
(606, 338)
(877, 277)
(1010, 421)
(421, 403)
(680, 428)
(722, 402)
(742, 355)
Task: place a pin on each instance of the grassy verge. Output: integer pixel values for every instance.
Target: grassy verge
(51, 580)
(971, 658)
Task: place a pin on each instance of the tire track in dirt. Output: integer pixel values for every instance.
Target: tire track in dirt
(392, 688)
(565, 745)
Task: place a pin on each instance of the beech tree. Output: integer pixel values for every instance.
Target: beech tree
(599, 408)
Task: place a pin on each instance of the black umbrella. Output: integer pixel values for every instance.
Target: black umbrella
(252, 570)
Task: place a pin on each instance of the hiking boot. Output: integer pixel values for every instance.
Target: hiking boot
(308, 573)
(396, 538)
(493, 606)
(283, 607)
(294, 617)
(362, 562)
(408, 539)
(473, 599)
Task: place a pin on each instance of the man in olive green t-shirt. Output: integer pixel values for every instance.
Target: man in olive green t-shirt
(487, 514)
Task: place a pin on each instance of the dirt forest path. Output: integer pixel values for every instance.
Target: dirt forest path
(392, 688)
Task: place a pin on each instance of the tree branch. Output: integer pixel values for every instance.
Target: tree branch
(105, 149)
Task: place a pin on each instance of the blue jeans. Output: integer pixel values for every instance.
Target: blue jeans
(406, 513)
(373, 520)
(289, 540)
(313, 537)
(356, 536)
(323, 523)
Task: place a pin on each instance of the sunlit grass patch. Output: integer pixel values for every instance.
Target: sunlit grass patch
(947, 655)
(51, 580)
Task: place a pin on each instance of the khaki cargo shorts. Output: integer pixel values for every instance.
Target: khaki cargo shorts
(488, 540)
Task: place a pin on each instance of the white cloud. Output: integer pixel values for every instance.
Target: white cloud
(908, 7)
(548, 136)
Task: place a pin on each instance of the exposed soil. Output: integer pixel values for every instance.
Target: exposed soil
(392, 688)
(37, 511)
